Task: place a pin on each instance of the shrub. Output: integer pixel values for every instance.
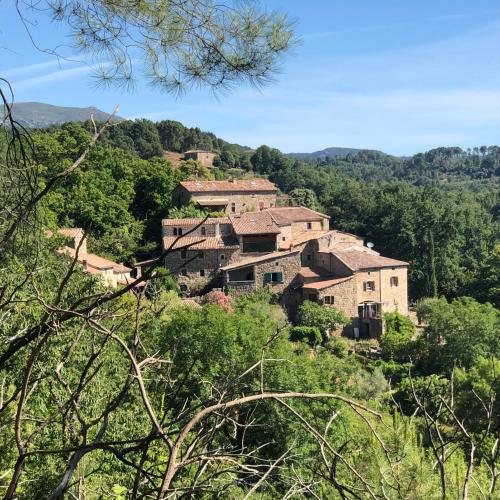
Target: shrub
(396, 342)
(308, 334)
(338, 347)
(324, 318)
(220, 299)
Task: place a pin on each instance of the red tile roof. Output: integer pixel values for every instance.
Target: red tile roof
(95, 263)
(194, 221)
(303, 237)
(362, 259)
(229, 186)
(307, 272)
(198, 242)
(254, 223)
(288, 215)
(325, 283)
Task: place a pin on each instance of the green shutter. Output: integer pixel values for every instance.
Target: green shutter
(280, 277)
(267, 278)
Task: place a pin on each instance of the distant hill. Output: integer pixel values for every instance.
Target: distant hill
(40, 115)
(330, 152)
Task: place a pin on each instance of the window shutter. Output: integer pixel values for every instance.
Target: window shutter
(267, 278)
(280, 277)
(364, 286)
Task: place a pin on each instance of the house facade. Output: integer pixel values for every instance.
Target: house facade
(206, 158)
(232, 197)
(111, 273)
(293, 252)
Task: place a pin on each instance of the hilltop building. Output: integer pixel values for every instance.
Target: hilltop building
(292, 250)
(232, 197)
(206, 158)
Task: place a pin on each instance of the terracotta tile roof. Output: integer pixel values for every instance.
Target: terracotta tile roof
(254, 223)
(255, 260)
(307, 272)
(288, 215)
(303, 238)
(325, 283)
(95, 263)
(228, 186)
(363, 259)
(199, 151)
(199, 242)
(195, 221)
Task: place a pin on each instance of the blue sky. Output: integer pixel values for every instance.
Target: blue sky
(397, 76)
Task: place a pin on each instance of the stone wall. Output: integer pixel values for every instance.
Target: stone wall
(344, 294)
(210, 263)
(288, 265)
(394, 297)
(243, 201)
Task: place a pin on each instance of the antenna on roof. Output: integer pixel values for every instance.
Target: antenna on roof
(370, 245)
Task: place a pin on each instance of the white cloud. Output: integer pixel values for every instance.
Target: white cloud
(57, 76)
(35, 68)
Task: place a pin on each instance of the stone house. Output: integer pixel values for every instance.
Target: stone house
(206, 158)
(233, 197)
(111, 273)
(292, 251)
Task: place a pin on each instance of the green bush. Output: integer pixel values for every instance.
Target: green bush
(326, 319)
(309, 334)
(338, 347)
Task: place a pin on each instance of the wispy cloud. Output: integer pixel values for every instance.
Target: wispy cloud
(58, 75)
(35, 68)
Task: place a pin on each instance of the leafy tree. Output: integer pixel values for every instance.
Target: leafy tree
(326, 319)
(194, 170)
(308, 334)
(396, 342)
(458, 333)
(304, 198)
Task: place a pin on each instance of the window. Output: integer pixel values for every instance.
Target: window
(179, 231)
(369, 286)
(200, 255)
(273, 278)
(308, 257)
(203, 231)
(175, 231)
(183, 254)
(283, 238)
(202, 272)
(184, 272)
(309, 226)
(183, 288)
(222, 256)
(233, 207)
(394, 281)
(329, 299)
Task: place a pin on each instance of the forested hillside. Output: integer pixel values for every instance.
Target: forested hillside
(135, 394)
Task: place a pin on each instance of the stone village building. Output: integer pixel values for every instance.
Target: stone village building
(292, 250)
(111, 273)
(232, 197)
